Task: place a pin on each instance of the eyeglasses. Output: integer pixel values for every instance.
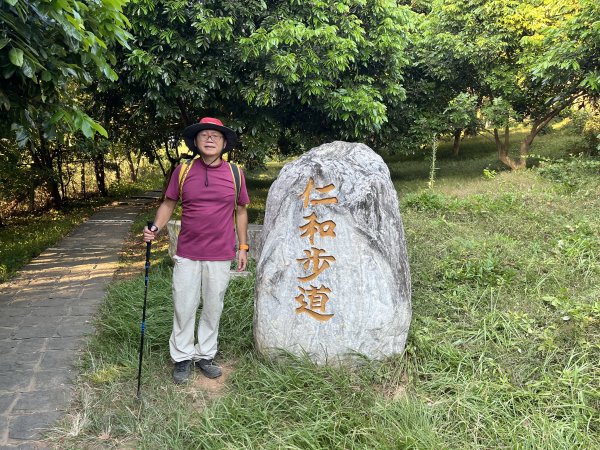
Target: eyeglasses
(212, 137)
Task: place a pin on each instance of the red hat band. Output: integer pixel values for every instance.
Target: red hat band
(211, 120)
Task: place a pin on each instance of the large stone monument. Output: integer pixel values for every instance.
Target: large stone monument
(333, 278)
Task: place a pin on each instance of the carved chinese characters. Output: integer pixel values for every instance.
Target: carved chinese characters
(316, 304)
(333, 278)
(315, 261)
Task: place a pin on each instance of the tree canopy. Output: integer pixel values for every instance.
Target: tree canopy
(48, 50)
(279, 72)
(510, 53)
(286, 74)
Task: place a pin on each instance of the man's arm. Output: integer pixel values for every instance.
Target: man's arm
(241, 223)
(163, 214)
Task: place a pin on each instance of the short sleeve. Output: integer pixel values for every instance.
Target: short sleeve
(243, 198)
(172, 191)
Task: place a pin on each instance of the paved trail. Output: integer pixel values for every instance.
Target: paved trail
(45, 314)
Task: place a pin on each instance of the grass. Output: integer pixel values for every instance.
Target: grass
(503, 349)
(258, 183)
(476, 155)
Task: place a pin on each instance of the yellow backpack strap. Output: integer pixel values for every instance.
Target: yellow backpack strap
(183, 173)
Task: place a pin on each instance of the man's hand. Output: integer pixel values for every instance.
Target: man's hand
(150, 235)
(163, 214)
(242, 258)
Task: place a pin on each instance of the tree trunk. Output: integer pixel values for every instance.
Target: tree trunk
(31, 198)
(173, 160)
(138, 159)
(168, 176)
(524, 149)
(55, 193)
(45, 161)
(502, 148)
(63, 187)
(185, 118)
(69, 174)
(457, 139)
(100, 174)
(132, 171)
(536, 126)
(117, 170)
(160, 163)
(83, 179)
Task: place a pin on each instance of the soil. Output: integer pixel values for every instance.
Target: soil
(216, 387)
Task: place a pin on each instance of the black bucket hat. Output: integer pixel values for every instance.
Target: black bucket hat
(209, 123)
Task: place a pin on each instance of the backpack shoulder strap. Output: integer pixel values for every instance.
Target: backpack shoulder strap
(183, 173)
(235, 173)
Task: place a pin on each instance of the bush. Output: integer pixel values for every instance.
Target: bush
(587, 123)
(571, 173)
(591, 134)
(426, 201)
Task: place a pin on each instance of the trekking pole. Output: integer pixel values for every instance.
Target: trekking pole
(148, 245)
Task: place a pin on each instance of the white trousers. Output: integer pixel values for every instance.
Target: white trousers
(193, 280)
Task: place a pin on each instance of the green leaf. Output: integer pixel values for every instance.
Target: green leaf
(110, 74)
(99, 128)
(3, 42)
(12, 2)
(21, 134)
(27, 69)
(77, 120)
(16, 56)
(57, 116)
(86, 128)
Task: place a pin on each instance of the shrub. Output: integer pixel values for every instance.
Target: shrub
(426, 201)
(587, 123)
(570, 173)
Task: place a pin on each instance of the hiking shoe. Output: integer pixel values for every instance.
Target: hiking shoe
(182, 371)
(208, 368)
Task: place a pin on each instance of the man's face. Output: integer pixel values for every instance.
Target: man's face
(210, 143)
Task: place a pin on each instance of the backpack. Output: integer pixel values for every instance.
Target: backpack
(235, 174)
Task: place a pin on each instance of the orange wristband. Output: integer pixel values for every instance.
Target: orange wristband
(244, 247)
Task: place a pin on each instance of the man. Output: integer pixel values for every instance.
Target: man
(206, 243)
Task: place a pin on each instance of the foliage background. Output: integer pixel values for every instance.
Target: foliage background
(90, 94)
